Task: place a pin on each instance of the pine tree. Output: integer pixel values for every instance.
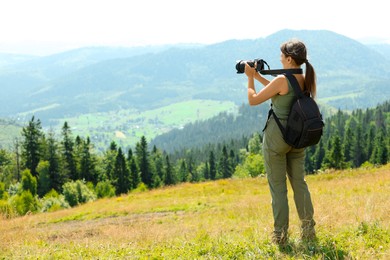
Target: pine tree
(336, 158)
(309, 159)
(380, 119)
(183, 173)
(233, 159)
(194, 177)
(369, 144)
(224, 165)
(121, 174)
(31, 145)
(67, 152)
(213, 168)
(109, 161)
(87, 164)
(55, 172)
(169, 174)
(143, 162)
(349, 139)
(134, 172)
(206, 172)
(78, 154)
(380, 153)
(358, 149)
(158, 169)
(319, 155)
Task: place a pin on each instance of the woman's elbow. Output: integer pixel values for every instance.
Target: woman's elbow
(252, 102)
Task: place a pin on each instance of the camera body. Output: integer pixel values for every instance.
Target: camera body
(259, 63)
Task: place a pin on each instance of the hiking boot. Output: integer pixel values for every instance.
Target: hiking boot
(279, 238)
(308, 234)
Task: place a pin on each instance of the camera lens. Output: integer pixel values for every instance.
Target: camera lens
(240, 67)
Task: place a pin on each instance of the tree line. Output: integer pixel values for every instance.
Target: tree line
(44, 172)
(352, 139)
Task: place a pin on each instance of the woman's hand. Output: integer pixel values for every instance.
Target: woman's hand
(249, 71)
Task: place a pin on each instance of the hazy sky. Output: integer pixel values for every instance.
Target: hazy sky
(47, 26)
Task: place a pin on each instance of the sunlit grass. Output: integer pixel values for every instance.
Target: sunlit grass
(225, 219)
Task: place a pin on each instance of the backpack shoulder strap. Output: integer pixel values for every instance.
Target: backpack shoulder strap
(298, 93)
(294, 83)
(272, 113)
(281, 127)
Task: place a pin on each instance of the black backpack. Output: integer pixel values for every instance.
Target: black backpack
(304, 123)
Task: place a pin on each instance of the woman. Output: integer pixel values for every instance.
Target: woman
(280, 158)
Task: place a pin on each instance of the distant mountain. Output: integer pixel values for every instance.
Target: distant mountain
(7, 59)
(383, 49)
(349, 74)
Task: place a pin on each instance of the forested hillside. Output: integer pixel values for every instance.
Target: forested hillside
(350, 138)
(45, 173)
(219, 129)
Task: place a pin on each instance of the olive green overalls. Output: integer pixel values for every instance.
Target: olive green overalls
(280, 160)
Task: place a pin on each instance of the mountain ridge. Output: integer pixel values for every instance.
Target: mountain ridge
(67, 84)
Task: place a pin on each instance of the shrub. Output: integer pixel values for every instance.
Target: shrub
(252, 167)
(44, 181)
(2, 190)
(6, 209)
(105, 189)
(50, 204)
(29, 182)
(77, 192)
(141, 187)
(367, 165)
(52, 194)
(14, 189)
(24, 203)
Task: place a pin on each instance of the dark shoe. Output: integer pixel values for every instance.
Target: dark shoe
(308, 234)
(279, 238)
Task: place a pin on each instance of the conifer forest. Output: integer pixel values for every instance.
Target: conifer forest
(45, 173)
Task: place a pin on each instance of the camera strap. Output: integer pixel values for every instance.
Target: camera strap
(281, 71)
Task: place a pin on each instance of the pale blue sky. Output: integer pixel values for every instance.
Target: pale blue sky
(47, 26)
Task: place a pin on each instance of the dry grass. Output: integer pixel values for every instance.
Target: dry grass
(221, 219)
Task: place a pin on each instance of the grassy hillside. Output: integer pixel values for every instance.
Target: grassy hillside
(126, 126)
(225, 219)
(9, 131)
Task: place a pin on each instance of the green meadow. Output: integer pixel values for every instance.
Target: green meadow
(126, 126)
(224, 219)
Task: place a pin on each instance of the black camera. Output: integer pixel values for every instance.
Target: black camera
(259, 63)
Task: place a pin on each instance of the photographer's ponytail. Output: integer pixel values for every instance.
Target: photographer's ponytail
(310, 80)
(297, 50)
